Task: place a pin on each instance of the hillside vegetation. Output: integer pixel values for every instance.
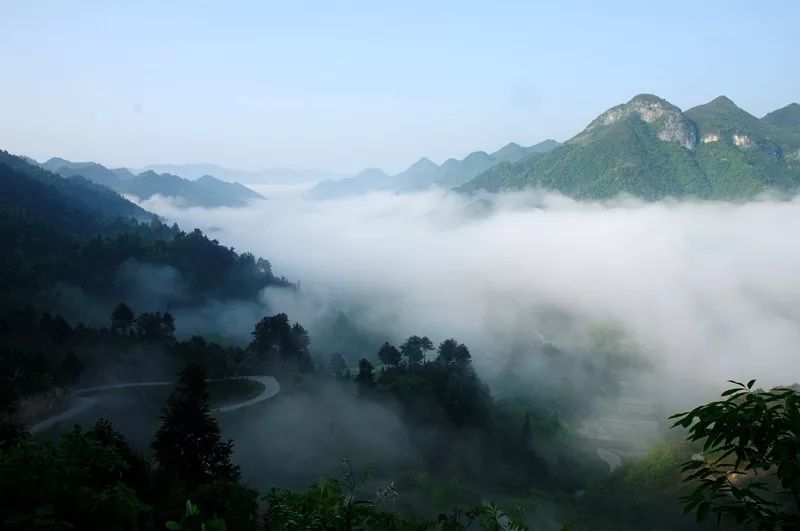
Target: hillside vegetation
(649, 148)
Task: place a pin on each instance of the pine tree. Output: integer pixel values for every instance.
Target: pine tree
(188, 443)
(389, 355)
(366, 374)
(122, 319)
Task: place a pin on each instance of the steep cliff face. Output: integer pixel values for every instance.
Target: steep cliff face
(667, 120)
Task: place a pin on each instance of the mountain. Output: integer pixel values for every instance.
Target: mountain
(233, 190)
(649, 148)
(207, 191)
(424, 173)
(736, 153)
(90, 170)
(420, 174)
(266, 176)
(455, 172)
(70, 203)
(783, 126)
(369, 179)
(68, 231)
(513, 152)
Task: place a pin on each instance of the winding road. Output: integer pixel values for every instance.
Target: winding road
(81, 402)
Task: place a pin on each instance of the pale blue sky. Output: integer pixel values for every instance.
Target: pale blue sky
(345, 85)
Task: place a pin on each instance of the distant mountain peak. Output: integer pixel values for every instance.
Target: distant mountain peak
(423, 164)
(424, 173)
(371, 173)
(666, 118)
(477, 155)
(788, 115)
(722, 100)
(547, 144)
(721, 120)
(649, 98)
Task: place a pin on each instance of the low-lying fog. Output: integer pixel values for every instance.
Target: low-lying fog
(706, 291)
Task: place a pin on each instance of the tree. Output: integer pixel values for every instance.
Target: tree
(278, 344)
(366, 374)
(389, 355)
(76, 483)
(234, 504)
(122, 319)
(338, 367)
(55, 328)
(188, 443)
(11, 432)
(168, 326)
(750, 467)
(451, 352)
(414, 350)
(156, 327)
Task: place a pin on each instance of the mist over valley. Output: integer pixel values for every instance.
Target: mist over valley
(438, 267)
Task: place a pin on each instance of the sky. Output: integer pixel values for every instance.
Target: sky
(347, 85)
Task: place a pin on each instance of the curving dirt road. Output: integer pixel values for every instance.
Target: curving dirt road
(81, 402)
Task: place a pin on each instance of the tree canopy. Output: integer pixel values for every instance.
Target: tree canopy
(188, 443)
(749, 470)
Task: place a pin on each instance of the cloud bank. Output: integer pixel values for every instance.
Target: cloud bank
(704, 290)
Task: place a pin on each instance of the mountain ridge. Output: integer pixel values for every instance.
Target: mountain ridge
(425, 173)
(650, 148)
(206, 191)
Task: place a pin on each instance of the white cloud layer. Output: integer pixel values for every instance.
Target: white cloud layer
(703, 288)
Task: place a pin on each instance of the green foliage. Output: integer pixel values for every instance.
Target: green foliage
(281, 346)
(750, 470)
(194, 520)
(39, 351)
(366, 374)
(72, 204)
(446, 384)
(188, 443)
(155, 327)
(324, 506)
(627, 155)
(414, 350)
(335, 505)
(783, 127)
(122, 319)
(232, 503)
(640, 494)
(78, 483)
(71, 231)
(389, 355)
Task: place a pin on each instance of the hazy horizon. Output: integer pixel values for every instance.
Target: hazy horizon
(312, 86)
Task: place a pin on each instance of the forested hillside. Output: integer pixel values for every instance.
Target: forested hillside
(463, 444)
(206, 191)
(648, 148)
(70, 231)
